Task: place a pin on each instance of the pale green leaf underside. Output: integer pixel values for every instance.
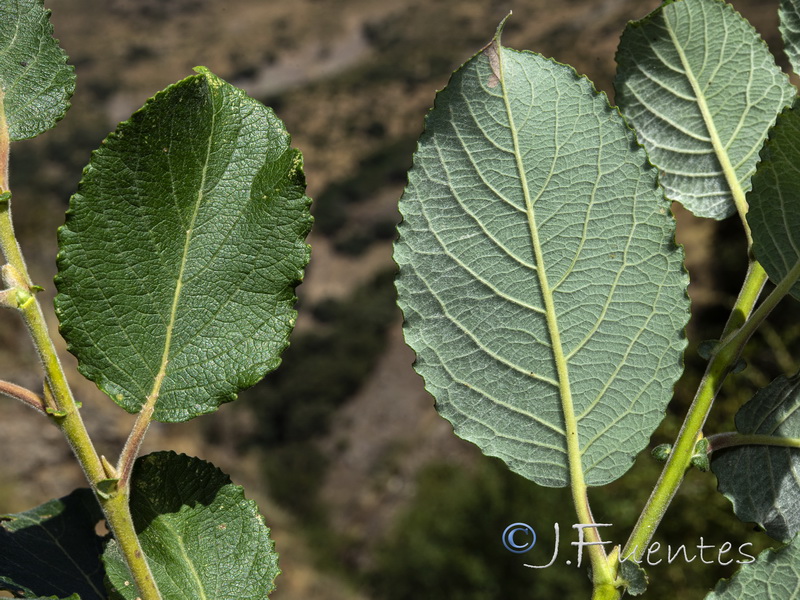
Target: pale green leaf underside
(181, 251)
(702, 90)
(34, 76)
(202, 538)
(775, 575)
(525, 172)
(763, 482)
(789, 12)
(774, 215)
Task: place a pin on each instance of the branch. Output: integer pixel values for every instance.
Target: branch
(26, 396)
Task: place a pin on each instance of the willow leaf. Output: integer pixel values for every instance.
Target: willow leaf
(789, 12)
(542, 290)
(181, 251)
(773, 576)
(774, 215)
(52, 550)
(36, 82)
(761, 481)
(202, 538)
(702, 90)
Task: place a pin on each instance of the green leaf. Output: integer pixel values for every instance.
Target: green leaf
(761, 481)
(541, 286)
(773, 576)
(181, 251)
(702, 90)
(202, 538)
(789, 13)
(774, 215)
(53, 550)
(34, 76)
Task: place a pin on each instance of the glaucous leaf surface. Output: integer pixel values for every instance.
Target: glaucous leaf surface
(202, 538)
(775, 575)
(761, 481)
(702, 90)
(53, 550)
(789, 12)
(36, 81)
(181, 250)
(538, 277)
(774, 215)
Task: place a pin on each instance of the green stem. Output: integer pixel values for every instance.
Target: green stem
(58, 395)
(117, 511)
(680, 457)
(731, 439)
(606, 592)
(740, 336)
(69, 419)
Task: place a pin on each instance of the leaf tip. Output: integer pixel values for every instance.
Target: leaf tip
(209, 76)
(500, 27)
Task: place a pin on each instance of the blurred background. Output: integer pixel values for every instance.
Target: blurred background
(368, 493)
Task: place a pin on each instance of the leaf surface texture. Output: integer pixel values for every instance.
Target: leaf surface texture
(36, 81)
(52, 550)
(702, 90)
(538, 275)
(202, 538)
(763, 482)
(774, 215)
(774, 575)
(181, 251)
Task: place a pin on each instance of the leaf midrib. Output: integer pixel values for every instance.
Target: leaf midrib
(729, 172)
(152, 397)
(565, 390)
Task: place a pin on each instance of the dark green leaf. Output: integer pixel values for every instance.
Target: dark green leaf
(761, 481)
(34, 75)
(773, 576)
(539, 279)
(774, 216)
(202, 538)
(181, 251)
(635, 577)
(702, 90)
(53, 550)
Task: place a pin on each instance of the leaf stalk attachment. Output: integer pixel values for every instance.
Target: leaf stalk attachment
(741, 325)
(58, 399)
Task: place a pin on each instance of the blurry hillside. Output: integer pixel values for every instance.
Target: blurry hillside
(367, 490)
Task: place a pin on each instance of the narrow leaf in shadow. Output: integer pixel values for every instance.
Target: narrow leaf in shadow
(53, 550)
(761, 481)
(774, 215)
(789, 12)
